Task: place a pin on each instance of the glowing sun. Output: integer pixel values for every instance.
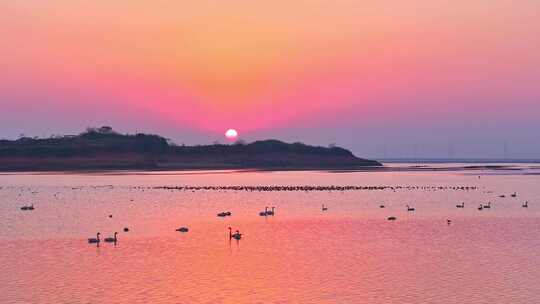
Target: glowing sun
(231, 134)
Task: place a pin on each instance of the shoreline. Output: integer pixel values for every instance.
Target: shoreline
(230, 169)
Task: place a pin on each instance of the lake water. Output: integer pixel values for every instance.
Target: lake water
(350, 253)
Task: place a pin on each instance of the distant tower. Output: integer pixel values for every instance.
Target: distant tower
(385, 155)
(450, 151)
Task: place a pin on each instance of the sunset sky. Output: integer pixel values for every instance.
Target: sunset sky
(445, 78)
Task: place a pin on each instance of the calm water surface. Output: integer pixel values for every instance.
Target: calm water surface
(348, 254)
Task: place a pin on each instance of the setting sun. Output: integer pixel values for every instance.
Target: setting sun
(231, 134)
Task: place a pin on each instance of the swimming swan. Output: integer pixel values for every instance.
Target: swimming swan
(112, 239)
(94, 240)
(25, 208)
(237, 235)
(182, 229)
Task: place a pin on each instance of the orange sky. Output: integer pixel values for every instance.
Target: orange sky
(210, 65)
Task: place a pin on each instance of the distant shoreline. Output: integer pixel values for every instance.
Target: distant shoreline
(200, 170)
(186, 168)
(457, 161)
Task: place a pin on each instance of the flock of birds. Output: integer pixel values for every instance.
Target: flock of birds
(270, 211)
(460, 206)
(311, 188)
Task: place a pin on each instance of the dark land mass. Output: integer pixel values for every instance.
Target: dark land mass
(104, 149)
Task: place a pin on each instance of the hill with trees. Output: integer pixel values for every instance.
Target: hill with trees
(104, 149)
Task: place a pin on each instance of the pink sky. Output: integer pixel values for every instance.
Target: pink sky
(359, 73)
